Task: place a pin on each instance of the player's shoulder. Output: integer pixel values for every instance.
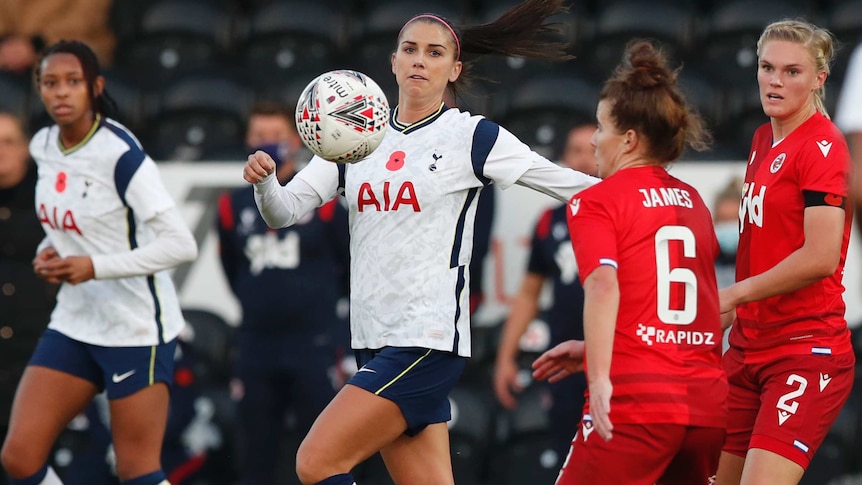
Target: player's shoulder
(820, 136)
(39, 142)
(115, 135)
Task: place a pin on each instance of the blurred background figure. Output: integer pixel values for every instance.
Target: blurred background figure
(725, 215)
(848, 118)
(551, 259)
(26, 300)
(289, 355)
(27, 26)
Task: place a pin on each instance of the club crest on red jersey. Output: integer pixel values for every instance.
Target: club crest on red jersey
(777, 163)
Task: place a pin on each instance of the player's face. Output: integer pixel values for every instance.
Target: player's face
(63, 89)
(425, 63)
(607, 141)
(13, 148)
(268, 130)
(579, 153)
(787, 78)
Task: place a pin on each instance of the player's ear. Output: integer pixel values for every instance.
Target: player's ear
(98, 86)
(392, 62)
(456, 71)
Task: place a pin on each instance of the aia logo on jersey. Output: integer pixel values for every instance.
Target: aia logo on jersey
(751, 205)
(777, 163)
(387, 199)
(58, 221)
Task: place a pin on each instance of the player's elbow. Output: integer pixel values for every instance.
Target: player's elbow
(188, 250)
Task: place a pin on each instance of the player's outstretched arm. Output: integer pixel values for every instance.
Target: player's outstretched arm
(560, 362)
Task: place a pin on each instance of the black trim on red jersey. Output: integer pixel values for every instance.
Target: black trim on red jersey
(815, 198)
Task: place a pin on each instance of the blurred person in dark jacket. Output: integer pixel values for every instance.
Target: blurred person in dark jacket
(26, 300)
(288, 355)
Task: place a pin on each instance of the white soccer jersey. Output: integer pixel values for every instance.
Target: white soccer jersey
(94, 199)
(412, 206)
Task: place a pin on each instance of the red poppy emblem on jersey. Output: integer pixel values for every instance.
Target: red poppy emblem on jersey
(60, 184)
(396, 161)
(777, 163)
(834, 200)
(574, 206)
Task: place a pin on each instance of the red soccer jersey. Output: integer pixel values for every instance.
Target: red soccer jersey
(814, 157)
(658, 233)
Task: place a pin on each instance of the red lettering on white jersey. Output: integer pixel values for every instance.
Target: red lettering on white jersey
(64, 223)
(406, 196)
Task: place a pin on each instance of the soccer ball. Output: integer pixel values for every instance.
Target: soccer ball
(342, 116)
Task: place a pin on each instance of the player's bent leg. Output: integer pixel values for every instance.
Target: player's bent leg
(764, 467)
(45, 402)
(138, 427)
(729, 469)
(354, 426)
(422, 459)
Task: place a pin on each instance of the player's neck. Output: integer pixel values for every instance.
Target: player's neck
(74, 133)
(410, 111)
(781, 127)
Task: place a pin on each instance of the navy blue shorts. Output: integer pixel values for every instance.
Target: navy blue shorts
(121, 371)
(418, 380)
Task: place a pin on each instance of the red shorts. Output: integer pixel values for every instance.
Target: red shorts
(785, 406)
(643, 454)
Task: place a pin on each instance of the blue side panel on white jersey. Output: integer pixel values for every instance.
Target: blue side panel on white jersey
(342, 177)
(484, 138)
(459, 227)
(126, 167)
(459, 287)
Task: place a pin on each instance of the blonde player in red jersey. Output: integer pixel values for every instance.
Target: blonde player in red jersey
(646, 248)
(790, 362)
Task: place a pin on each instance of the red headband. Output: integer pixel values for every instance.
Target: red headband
(439, 19)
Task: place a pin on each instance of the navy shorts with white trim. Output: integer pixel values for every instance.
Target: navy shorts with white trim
(417, 379)
(121, 371)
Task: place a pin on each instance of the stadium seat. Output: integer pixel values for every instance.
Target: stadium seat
(744, 114)
(845, 21)
(725, 45)
(196, 113)
(470, 432)
(209, 336)
(620, 22)
(281, 40)
(525, 455)
(16, 95)
(175, 35)
(542, 110)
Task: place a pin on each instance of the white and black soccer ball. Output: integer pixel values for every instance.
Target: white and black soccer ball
(342, 116)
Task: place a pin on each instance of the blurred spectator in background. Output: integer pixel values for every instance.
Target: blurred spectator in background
(26, 300)
(848, 117)
(289, 354)
(725, 215)
(551, 259)
(26, 26)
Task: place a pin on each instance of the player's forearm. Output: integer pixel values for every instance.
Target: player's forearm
(555, 181)
(283, 206)
(601, 305)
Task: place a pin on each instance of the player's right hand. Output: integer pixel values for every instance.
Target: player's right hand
(258, 167)
(601, 391)
(39, 261)
(506, 381)
(560, 362)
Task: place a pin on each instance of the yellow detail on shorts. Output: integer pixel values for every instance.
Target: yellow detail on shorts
(152, 364)
(399, 376)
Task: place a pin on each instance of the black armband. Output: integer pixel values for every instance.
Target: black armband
(815, 198)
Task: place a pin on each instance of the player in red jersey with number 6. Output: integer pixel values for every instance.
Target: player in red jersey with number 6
(646, 248)
(790, 362)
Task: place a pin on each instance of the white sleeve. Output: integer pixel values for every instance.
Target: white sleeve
(848, 115)
(146, 193)
(511, 161)
(172, 246)
(558, 182)
(313, 186)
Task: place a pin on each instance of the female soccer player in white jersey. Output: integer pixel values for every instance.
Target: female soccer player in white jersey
(112, 232)
(791, 363)
(412, 205)
(646, 251)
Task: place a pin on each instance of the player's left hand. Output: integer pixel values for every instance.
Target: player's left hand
(71, 269)
(726, 300)
(560, 362)
(601, 391)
